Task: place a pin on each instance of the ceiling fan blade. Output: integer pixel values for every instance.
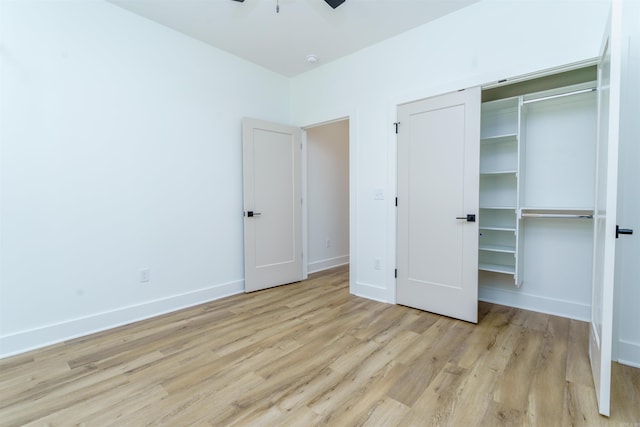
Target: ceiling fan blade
(334, 3)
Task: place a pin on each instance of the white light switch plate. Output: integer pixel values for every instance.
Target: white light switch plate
(378, 194)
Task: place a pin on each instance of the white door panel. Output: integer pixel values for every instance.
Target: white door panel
(273, 158)
(601, 327)
(438, 181)
(271, 192)
(433, 208)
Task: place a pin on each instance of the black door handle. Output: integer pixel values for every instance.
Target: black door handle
(251, 214)
(469, 217)
(620, 231)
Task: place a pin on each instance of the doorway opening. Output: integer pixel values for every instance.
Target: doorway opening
(327, 195)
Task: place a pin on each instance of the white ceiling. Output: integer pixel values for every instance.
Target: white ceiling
(281, 41)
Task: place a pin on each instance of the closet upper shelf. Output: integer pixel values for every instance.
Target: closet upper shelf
(512, 137)
(500, 105)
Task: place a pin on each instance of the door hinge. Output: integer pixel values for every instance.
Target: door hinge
(396, 125)
(396, 202)
(396, 273)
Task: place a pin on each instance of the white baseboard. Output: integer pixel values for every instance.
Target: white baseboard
(373, 292)
(556, 307)
(629, 353)
(325, 264)
(32, 339)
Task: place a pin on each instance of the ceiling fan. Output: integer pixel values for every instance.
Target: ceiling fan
(332, 3)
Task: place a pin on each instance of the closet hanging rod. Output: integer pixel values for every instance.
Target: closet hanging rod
(555, 215)
(560, 95)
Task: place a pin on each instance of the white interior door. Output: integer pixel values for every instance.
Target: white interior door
(271, 156)
(438, 185)
(601, 327)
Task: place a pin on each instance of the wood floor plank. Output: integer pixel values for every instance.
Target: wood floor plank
(578, 365)
(581, 408)
(311, 354)
(425, 341)
(310, 389)
(386, 412)
(20, 382)
(513, 388)
(357, 405)
(374, 366)
(497, 415)
(303, 368)
(548, 383)
(626, 388)
(494, 324)
(274, 416)
(436, 405)
(430, 363)
(200, 403)
(59, 398)
(474, 395)
(119, 402)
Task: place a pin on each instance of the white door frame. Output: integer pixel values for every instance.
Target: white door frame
(330, 118)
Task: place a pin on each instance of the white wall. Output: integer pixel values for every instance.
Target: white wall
(627, 291)
(482, 43)
(328, 195)
(121, 149)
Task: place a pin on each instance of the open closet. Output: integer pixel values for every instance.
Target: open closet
(520, 191)
(537, 178)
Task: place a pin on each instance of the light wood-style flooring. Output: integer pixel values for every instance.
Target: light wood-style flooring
(310, 354)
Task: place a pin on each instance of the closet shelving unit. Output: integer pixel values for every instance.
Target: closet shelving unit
(534, 166)
(499, 166)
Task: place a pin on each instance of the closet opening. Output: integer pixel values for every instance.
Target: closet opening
(537, 180)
